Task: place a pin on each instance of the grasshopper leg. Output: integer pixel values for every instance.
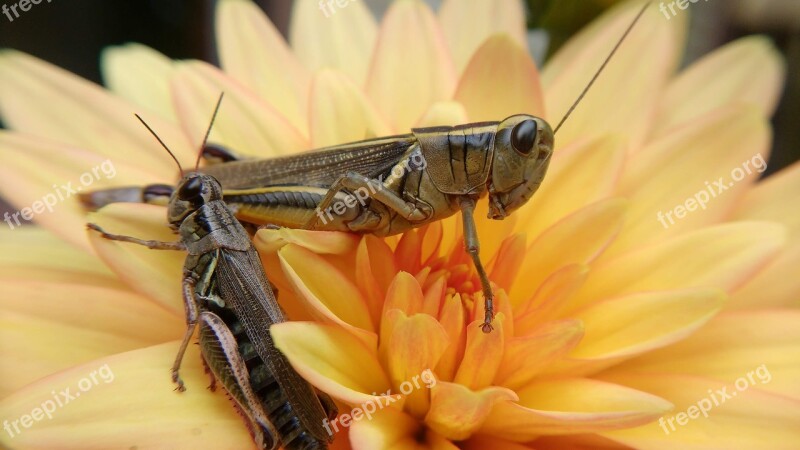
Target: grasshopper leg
(473, 248)
(157, 245)
(190, 304)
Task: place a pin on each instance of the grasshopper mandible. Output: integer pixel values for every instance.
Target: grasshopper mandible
(413, 179)
(226, 292)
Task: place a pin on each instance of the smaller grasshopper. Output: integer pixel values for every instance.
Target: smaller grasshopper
(226, 292)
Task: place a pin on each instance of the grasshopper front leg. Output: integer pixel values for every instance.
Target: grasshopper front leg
(190, 305)
(155, 245)
(472, 246)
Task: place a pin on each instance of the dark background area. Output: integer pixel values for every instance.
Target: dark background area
(71, 34)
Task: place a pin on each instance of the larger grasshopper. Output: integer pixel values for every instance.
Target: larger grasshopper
(226, 292)
(411, 180)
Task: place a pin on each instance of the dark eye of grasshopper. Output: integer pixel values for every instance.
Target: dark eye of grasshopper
(523, 136)
(190, 190)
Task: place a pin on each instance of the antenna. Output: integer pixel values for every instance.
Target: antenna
(160, 142)
(208, 131)
(603, 66)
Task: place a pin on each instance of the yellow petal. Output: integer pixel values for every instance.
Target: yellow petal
(762, 345)
(333, 360)
(623, 99)
(481, 442)
(776, 285)
(320, 242)
(156, 274)
(500, 80)
(245, 124)
(253, 52)
(393, 429)
(126, 393)
(42, 180)
(404, 294)
(504, 266)
(36, 97)
(751, 419)
(482, 356)
(731, 254)
(140, 75)
(325, 35)
(456, 411)
(749, 70)
(572, 406)
(769, 198)
(452, 320)
(527, 356)
(717, 158)
(339, 111)
(468, 24)
(400, 92)
(551, 299)
(443, 114)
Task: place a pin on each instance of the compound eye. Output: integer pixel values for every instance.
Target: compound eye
(191, 189)
(523, 136)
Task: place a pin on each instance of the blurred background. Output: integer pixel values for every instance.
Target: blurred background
(71, 34)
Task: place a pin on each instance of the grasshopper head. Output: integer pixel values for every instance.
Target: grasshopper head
(522, 150)
(193, 191)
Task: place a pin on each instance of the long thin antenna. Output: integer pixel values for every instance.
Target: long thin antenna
(602, 67)
(208, 131)
(160, 142)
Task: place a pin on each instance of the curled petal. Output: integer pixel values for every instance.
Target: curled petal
(456, 412)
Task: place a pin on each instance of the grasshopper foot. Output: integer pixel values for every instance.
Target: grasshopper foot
(177, 380)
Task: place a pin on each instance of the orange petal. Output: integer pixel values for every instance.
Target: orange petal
(404, 294)
(393, 429)
(500, 61)
(452, 320)
(140, 75)
(456, 412)
(333, 360)
(504, 267)
(374, 279)
(402, 94)
(767, 200)
(748, 70)
(468, 24)
(36, 96)
(325, 35)
(572, 406)
(622, 100)
(245, 124)
(253, 52)
(127, 393)
(339, 111)
(482, 356)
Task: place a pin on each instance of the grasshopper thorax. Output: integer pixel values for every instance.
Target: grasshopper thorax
(193, 191)
(522, 150)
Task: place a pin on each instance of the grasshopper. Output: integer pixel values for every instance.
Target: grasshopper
(389, 185)
(226, 292)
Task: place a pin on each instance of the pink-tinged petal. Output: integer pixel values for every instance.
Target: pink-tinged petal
(413, 348)
(452, 320)
(245, 124)
(500, 61)
(572, 406)
(456, 411)
(762, 345)
(716, 159)
(395, 430)
(552, 297)
(769, 198)
(140, 75)
(333, 360)
(320, 242)
(750, 419)
(482, 355)
(132, 392)
(312, 277)
(43, 179)
(253, 52)
(580, 175)
(776, 286)
(578, 238)
(468, 24)
(634, 324)
(340, 112)
(156, 274)
(525, 357)
(723, 256)
(443, 113)
(402, 94)
(749, 70)
(624, 98)
(323, 35)
(36, 97)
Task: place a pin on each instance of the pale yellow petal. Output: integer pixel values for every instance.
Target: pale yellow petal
(396, 430)
(456, 411)
(445, 113)
(769, 198)
(776, 285)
